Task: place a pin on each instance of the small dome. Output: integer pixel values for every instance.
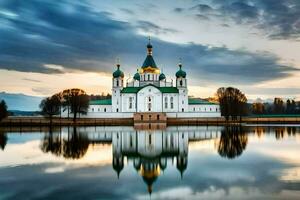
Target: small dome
(180, 73)
(149, 45)
(118, 73)
(162, 76)
(137, 75)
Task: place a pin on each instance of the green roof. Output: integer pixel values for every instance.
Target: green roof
(149, 61)
(162, 89)
(101, 102)
(193, 101)
(118, 73)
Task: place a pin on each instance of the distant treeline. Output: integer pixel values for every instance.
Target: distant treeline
(279, 106)
(100, 97)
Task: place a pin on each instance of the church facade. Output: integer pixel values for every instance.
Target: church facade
(150, 92)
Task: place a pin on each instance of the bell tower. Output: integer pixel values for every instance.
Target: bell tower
(117, 86)
(181, 84)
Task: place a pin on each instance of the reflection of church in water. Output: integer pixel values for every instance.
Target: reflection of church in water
(150, 151)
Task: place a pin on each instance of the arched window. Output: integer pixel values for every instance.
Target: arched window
(117, 109)
(92, 109)
(130, 102)
(182, 109)
(166, 102)
(180, 82)
(117, 83)
(104, 109)
(148, 77)
(172, 103)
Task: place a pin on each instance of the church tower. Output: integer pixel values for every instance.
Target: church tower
(181, 84)
(117, 86)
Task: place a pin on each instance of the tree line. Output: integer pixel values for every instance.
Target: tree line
(279, 106)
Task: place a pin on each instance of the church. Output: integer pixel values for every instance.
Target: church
(149, 91)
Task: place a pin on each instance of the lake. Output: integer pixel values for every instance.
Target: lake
(186, 162)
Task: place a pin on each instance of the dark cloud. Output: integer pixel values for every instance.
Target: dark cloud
(153, 28)
(178, 10)
(31, 80)
(75, 37)
(279, 19)
(127, 11)
(202, 8)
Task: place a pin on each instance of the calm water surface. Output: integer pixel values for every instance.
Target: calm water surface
(176, 163)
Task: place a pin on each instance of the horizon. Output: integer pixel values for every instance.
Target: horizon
(251, 45)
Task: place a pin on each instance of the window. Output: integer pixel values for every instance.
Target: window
(98, 109)
(182, 109)
(172, 104)
(150, 139)
(92, 109)
(148, 77)
(210, 109)
(182, 102)
(104, 109)
(130, 102)
(142, 117)
(117, 109)
(216, 109)
(117, 82)
(157, 117)
(149, 99)
(180, 82)
(194, 109)
(166, 102)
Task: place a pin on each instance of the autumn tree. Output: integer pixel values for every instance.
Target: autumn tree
(258, 108)
(232, 102)
(3, 110)
(278, 106)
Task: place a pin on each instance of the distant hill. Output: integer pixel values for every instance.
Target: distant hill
(21, 102)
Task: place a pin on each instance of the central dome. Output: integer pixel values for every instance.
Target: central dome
(149, 62)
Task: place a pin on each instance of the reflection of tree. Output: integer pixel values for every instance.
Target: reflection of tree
(76, 146)
(73, 147)
(3, 140)
(279, 133)
(233, 142)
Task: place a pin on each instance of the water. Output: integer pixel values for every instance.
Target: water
(176, 163)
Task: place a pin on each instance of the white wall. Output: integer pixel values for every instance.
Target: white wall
(204, 108)
(175, 102)
(125, 102)
(156, 99)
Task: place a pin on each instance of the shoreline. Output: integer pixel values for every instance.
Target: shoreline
(41, 121)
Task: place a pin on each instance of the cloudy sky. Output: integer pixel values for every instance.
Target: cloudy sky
(46, 46)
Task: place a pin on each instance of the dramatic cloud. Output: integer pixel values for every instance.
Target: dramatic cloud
(52, 37)
(280, 19)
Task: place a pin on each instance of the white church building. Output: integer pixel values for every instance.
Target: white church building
(150, 92)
